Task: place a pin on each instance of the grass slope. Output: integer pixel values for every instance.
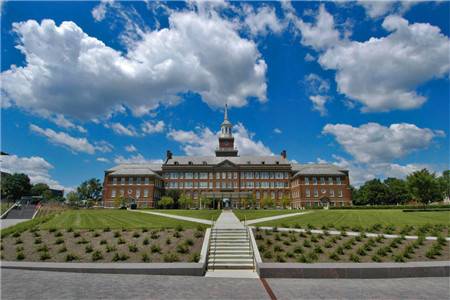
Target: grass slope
(364, 218)
(199, 214)
(97, 219)
(261, 213)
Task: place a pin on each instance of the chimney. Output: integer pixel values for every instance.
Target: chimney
(283, 154)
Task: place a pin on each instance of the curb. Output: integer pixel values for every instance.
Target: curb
(181, 269)
(354, 270)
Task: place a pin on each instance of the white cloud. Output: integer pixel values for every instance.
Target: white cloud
(103, 159)
(376, 9)
(390, 68)
(262, 21)
(278, 131)
(374, 143)
(138, 158)
(309, 57)
(70, 142)
(120, 129)
(61, 121)
(203, 141)
(99, 11)
(150, 128)
(316, 84)
(85, 79)
(319, 102)
(130, 148)
(35, 167)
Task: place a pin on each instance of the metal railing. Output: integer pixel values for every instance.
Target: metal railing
(214, 240)
(251, 250)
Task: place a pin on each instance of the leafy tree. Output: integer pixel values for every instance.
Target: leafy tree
(267, 202)
(185, 201)
(251, 201)
(15, 186)
(175, 195)
(286, 201)
(204, 201)
(444, 184)
(90, 190)
(39, 188)
(374, 192)
(73, 199)
(166, 202)
(398, 192)
(424, 187)
(119, 201)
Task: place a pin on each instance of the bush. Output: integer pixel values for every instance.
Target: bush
(189, 242)
(120, 257)
(307, 244)
(36, 234)
(195, 257)
(334, 256)
(179, 228)
(382, 251)
(18, 241)
(302, 234)
(43, 248)
(198, 234)
(340, 250)
(183, 249)
(136, 234)
(52, 229)
(45, 256)
(287, 243)
(62, 249)
(110, 248)
(277, 237)
(176, 234)
(168, 241)
(70, 229)
(146, 241)
(292, 238)
(269, 242)
(117, 234)
(280, 258)
(314, 239)
(376, 258)
(103, 242)
(16, 234)
(19, 249)
(155, 249)
(82, 241)
(261, 248)
(97, 255)
(312, 256)
(298, 249)
(318, 249)
(96, 234)
(303, 259)
(121, 241)
(277, 248)
(289, 254)
(88, 249)
(145, 257)
(361, 251)
(441, 241)
(327, 245)
(38, 241)
(170, 257)
(76, 234)
(132, 248)
(268, 254)
(296, 225)
(71, 257)
(379, 238)
(354, 258)
(107, 229)
(399, 258)
(59, 241)
(20, 256)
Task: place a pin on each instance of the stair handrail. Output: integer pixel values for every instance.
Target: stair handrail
(215, 242)
(251, 246)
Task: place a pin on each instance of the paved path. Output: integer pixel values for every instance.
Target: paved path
(20, 284)
(353, 233)
(174, 216)
(254, 221)
(11, 222)
(228, 220)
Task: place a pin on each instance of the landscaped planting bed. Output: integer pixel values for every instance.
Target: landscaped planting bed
(306, 247)
(104, 245)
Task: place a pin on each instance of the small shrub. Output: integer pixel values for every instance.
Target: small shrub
(275, 229)
(155, 249)
(298, 249)
(124, 230)
(382, 252)
(20, 256)
(318, 249)
(170, 257)
(312, 256)
(267, 232)
(261, 248)
(199, 234)
(296, 225)
(52, 229)
(277, 248)
(302, 234)
(76, 234)
(289, 254)
(268, 254)
(399, 258)
(287, 243)
(303, 259)
(189, 242)
(107, 229)
(38, 241)
(168, 241)
(103, 242)
(145, 257)
(132, 248)
(36, 234)
(71, 257)
(441, 240)
(146, 241)
(121, 241)
(82, 241)
(16, 234)
(354, 258)
(327, 245)
(179, 228)
(18, 241)
(117, 234)
(376, 258)
(176, 234)
(62, 249)
(195, 257)
(361, 251)
(277, 237)
(280, 258)
(88, 249)
(326, 233)
(292, 238)
(269, 242)
(70, 229)
(43, 248)
(307, 244)
(59, 241)
(45, 256)
(284, 234)
(120, 257)
(314, 239)
(334, 256)
(358, 238)
(379, 238)
(136, 235)
(340, 250)
(97, 255)
(343, 233)
(19, 249)
(183, 249)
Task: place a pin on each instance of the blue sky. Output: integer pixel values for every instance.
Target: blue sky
(87, 85)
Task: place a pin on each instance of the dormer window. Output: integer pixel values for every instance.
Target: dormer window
(277, 162)
(175, 163)
(263, 162)
(204, 163)
(190, 163)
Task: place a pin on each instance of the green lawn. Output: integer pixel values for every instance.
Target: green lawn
(97, 219)
(252, 214)
(364, 218)
(199, 214)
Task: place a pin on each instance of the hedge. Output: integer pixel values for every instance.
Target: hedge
(393, 207)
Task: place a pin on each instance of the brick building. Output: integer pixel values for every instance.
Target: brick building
(227, 179)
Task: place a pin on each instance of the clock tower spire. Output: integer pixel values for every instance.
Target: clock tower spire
(226, 139)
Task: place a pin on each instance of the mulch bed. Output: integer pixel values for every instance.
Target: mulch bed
(307, 247)
(140, 245)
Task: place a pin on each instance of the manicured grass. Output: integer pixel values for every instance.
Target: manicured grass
(363, 218)
(199, 214)
(103, 218)
(252, 214)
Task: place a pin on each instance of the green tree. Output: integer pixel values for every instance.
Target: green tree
(398, 192)
(15, 186)
(39, 189)
(184, 201)
(175, 195)
(444, 184)
(90, 190)
(119, 201)
(424, 187)
(286, 201)
(73, 199)
(374, 192)
(267, 202)
(357, 198)
(166, 202)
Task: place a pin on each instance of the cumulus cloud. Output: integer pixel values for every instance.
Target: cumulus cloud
(262, 21)
(319, 102)
(148, 127)
(390, 68)
(316, 84)
(121, 129)
(277, 131)
(376, 9)
(374, 143)
(72, 143)
(203, 141)
(61, 121)
(309, 57)
(103, 159)
(35, 167)
(130, 148)
(134, 159)
(86, 79)
(99, 11)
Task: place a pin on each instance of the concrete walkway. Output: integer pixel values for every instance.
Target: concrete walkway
(11, 222)
(174, 217)
(228, 220)
(275, 218)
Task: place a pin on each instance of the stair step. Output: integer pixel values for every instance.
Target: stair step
(231, 266)
(230, 256)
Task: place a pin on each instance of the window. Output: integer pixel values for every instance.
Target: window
(339, 193)
(138, 193)
(145, 193)
(114, 180)
(217, 184)
(257, 184)
(146, 180)
(130, 180)
(338, 180)
(217, 175)
(122, 192)
(122, 180)
(235, 175)
(113, 193)
(306, 180)
(203, 175)
(195, 175)
(332, 193)
(224, 175)
(258, 195)
(314, 180)
(279, 175)
(308, 193)
(203, 185)
(272, 195)
(249, 175)
(316, 192)
(271, 175)
(188, 184)
(235, 184)
(173, 175)
(330, 180)
(138, 180)
(210, 175)
(188, 175)
(224, 185)
(322, 180)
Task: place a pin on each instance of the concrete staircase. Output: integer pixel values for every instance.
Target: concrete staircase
(230, 249)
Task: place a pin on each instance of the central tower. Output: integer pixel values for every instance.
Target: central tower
(226, 139)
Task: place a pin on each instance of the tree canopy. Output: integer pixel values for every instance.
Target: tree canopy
(15, 186)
